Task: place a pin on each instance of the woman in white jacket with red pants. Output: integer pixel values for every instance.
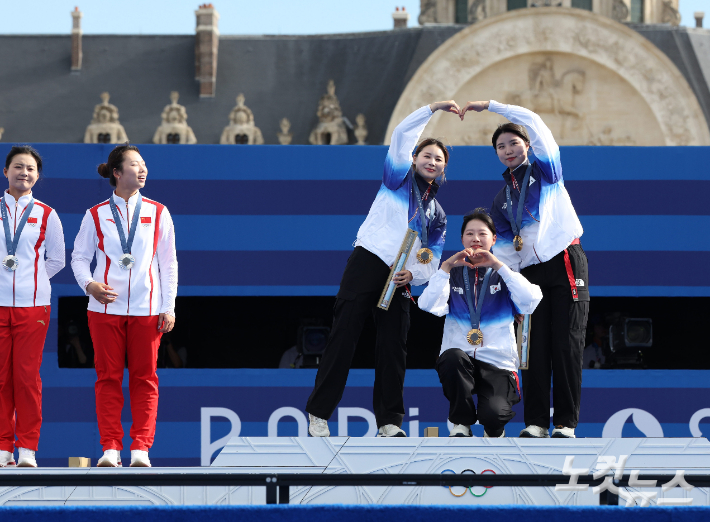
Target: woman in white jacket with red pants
(31, 231)
(131, 300)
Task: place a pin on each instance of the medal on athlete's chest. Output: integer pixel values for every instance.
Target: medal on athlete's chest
(516, 223)
(424, 255)
(518, 243)
(10, 262)
(126, 261)
(475, 335)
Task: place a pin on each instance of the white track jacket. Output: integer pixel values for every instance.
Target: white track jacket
(42, 235)
(150, 287)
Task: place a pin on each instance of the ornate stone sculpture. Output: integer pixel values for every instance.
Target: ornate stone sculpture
(104, 126)
(331, 128)
(241, 130)
(284, 136)
(174, 128)
(2, 129)
(670, 14)
(427, 12)
(360, 129)
(620, 11)
(476, 11)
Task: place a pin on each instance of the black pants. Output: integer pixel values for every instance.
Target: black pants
(558, 329)
(496, 389)
(360, 290)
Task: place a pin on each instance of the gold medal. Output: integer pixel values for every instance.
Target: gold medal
(518, 243)
(474, 336)
(424, 256)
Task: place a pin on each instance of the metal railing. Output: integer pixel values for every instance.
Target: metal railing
(278, 484)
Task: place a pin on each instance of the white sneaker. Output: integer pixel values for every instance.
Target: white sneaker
(390, 430)
(460, 430)
(139, 459)
(486, 436)
(110, 459)
(534, 432)
(26, 458)
(7, 458)
(560, 432)
(318, 427)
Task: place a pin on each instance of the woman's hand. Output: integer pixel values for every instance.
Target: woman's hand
(485, 258)
(477, 106)
(165, 323)
(458, 259)
(103, 293)
(447, 106)
(402, 278)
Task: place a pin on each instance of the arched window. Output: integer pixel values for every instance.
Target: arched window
(636, 11)
(517, 4)
(582, 4)
(461, 11)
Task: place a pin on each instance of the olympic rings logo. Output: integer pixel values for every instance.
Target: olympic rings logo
(470, 489)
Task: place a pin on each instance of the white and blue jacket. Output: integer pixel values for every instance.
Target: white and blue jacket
(550, 223)
(508, 293)
(395, 208)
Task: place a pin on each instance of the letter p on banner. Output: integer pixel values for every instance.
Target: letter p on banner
(208, 448)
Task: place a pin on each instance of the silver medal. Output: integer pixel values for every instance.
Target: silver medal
(10, 263)
(126, 261)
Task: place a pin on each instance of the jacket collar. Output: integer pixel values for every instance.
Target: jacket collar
(424, 186)
(23, 201)
(131, 201)
(519, 173)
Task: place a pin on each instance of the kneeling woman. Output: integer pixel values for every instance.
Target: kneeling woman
(480, 297)
(132, 300)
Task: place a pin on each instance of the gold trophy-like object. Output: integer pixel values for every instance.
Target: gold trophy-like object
(524, 342)
(400, 261)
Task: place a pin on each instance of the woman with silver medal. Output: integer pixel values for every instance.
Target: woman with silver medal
(34, 253)
(480, 298)
(405, 201)
(131, 300)
(539, 236)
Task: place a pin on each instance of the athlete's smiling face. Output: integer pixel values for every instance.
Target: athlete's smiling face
(22, 173)
(430, 162)
(511, 149)
(477, 235)
(133, 172)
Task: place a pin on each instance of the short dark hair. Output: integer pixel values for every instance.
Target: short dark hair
(24, 149)
(433, 141)
(115, 161)
(482, 215)
(513, 128)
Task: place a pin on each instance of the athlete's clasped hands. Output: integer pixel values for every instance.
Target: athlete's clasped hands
(452, 107)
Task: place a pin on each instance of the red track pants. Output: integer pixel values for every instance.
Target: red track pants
(22, 334)
(114, 338)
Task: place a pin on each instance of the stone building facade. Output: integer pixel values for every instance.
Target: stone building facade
(596, 70)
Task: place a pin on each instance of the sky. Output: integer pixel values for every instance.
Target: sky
(237, 17)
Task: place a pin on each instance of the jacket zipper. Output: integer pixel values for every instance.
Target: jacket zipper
(14, 273)
(128, 227)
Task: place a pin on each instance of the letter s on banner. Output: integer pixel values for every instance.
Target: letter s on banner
(644, 421)
(344, 413)
(287, 411)
(208, 448)
(694, 423)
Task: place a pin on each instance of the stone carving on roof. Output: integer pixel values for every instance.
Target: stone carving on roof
(284, 136)
(331, 127)
(241, 130)
(620, 11)
(360, 129)
(104, 126)
(174, 128)
(670, 14)
(2, 129)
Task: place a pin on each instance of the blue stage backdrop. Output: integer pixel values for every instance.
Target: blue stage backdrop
(237, 209)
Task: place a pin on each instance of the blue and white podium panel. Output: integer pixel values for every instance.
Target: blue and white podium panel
(342, 455)
(457, 455)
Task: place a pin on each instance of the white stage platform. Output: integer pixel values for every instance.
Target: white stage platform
(342, 455)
